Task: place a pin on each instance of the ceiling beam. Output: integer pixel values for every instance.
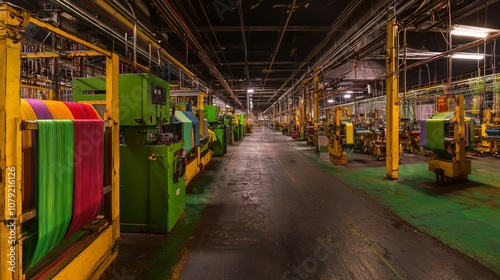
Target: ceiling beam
(237, 28)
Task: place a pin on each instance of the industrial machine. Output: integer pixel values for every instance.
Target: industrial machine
(239, 121)
(409, 136)
(341, 138)
(449, 135)
(195, 131)
(152, 155)
(216, 123)
(490, 133)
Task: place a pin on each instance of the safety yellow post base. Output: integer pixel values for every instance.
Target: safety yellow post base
(339, 160)
(449, 171)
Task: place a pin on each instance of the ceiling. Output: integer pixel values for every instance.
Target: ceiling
(271, 46)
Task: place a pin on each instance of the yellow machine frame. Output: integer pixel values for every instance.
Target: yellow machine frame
(91, 259)
(195, 166)
(490, 146)
(338, 155)
(458, 168)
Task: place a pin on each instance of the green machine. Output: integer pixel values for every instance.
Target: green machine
(152, 163)
(217, 125)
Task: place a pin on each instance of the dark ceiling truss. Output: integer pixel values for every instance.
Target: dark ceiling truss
(270, 47)
(170, 14)
(410, 16)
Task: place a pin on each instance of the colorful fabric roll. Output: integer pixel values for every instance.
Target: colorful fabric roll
(63, 163)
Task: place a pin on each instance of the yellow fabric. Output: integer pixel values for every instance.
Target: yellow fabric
(58, 110)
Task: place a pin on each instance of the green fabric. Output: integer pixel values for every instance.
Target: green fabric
(54, 194)
(443, 115)
(435, 137)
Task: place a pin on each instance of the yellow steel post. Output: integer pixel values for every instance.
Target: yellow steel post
(337, 153)
(201, 102)
(459, 119)
(392, 108)
(316, 98)
(112, 115)
(279, 112)
(14, 20)
(302, 110)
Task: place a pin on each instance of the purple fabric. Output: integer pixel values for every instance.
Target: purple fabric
(423, 134)
(40, 109)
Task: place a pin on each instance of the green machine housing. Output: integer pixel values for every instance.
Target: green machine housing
(152, 184)
(211, 113)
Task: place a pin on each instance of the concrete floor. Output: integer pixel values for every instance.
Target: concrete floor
(268, 211)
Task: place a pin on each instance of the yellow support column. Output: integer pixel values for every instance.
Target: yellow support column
(459, 119)
(392, 107)
(201, 116)
(112, 114)
(316, 98)
(302, 122)
(13, 21)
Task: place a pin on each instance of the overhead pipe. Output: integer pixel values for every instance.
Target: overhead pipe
(135, 32)
(97, 23)
(144, 36)
(168, 13)
(349, 41)
(278, 44)
(242, 24)
(333, 28)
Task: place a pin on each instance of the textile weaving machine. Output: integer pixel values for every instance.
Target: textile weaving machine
(449, 135)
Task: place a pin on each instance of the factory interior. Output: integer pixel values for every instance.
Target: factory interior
(249, 139)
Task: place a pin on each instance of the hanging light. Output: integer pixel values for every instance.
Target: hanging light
(474, 56)
(470, 31)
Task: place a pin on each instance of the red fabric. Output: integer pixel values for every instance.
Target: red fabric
(88, 176)
(82, 110)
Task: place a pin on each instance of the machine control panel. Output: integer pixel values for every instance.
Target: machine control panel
(159, 95)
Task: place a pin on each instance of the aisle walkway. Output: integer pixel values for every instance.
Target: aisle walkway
(275, 215)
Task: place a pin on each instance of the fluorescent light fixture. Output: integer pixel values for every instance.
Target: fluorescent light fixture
(470, 31)
(347, 96)
(472, 56)
(330, 100)
(250, 90)
(424, 55)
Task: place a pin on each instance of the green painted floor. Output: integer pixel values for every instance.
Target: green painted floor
(465, 216)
